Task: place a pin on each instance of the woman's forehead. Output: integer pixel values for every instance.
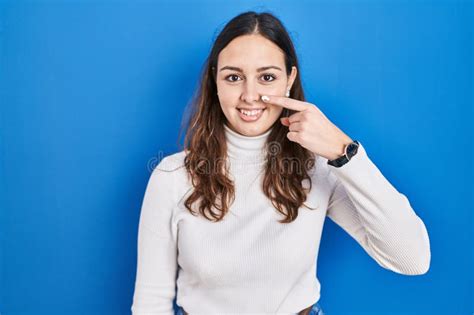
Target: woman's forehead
(250, 57)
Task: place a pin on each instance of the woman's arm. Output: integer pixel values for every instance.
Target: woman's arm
(156, 249)
(378, 217)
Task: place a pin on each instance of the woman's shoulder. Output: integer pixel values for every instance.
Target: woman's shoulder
(172, 162)
(171, 174)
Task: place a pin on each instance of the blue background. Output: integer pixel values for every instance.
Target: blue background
(92, 96)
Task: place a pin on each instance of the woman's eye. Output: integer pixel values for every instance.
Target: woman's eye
(231, 76)
(266, 77)
(269, 76)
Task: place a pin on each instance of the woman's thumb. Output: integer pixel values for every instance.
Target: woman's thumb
(285, 121)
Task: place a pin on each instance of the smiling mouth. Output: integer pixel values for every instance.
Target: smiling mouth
(250, 115)
(251, 112)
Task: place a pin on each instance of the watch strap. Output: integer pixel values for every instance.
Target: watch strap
(340, 161)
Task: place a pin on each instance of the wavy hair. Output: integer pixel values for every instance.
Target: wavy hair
(287, 163)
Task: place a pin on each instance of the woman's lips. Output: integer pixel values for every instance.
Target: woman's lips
(250, 115)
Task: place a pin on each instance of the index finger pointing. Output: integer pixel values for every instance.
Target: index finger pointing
(286, 102)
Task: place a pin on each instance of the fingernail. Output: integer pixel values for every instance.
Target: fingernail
(265, 98)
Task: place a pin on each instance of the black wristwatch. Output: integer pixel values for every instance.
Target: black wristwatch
(349, 151)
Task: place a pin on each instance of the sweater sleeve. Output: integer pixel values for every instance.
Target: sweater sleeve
(156, 249)
(378, 217)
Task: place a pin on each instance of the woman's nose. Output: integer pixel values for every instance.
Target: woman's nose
(250, 93)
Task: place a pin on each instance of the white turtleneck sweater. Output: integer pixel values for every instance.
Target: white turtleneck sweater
(251, 264)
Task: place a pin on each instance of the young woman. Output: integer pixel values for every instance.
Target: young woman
(232, 223)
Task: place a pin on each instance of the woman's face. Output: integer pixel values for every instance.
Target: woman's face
(247, 68)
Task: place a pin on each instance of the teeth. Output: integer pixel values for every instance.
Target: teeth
(250, 112)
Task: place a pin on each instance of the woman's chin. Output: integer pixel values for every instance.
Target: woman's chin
(252, 130)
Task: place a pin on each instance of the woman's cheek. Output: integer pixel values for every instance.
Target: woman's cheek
(227, 96)
(228, 104)
(275, 110)
(275, 89)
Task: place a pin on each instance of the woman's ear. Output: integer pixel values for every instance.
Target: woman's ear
(292, 76)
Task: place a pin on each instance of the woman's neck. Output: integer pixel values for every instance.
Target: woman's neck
(246, 148)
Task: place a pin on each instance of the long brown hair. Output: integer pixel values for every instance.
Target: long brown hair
(287, 163)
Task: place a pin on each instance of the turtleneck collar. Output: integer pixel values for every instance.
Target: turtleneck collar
(246, 148)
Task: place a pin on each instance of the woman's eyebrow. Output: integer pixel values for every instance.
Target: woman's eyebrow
(258, 70)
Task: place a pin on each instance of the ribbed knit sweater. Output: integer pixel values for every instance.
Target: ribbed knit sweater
(249, 263)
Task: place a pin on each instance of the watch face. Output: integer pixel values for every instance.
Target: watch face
(352, 149)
